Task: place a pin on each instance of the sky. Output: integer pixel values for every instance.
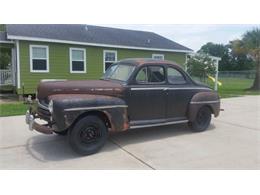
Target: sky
(192, 35)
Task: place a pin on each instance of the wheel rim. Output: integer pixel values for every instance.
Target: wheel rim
(203, 117)
(89, 134)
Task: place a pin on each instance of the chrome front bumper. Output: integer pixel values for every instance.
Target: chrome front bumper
(33, 125)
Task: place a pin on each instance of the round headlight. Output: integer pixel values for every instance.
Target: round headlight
(50, 106)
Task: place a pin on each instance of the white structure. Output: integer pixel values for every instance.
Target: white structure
(216, 64)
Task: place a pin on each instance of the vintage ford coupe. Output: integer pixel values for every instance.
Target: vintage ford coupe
(133, 93)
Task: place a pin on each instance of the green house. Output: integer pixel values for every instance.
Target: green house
(74, 52)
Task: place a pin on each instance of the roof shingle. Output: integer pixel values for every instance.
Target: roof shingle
(95, 35)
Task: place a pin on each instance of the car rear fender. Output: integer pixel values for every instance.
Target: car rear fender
(210, 99)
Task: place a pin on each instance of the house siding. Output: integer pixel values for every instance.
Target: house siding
(59, 63)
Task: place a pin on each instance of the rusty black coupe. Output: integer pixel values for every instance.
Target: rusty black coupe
(133, 93)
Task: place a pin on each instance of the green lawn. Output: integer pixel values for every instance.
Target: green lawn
(12, 109)
(233, 87)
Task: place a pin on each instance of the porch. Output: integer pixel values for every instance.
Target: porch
(6, 77)
(7, 64)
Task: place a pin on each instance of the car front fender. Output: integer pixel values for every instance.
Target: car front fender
(68, 108)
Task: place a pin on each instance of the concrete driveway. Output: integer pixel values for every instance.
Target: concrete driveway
(232, 142)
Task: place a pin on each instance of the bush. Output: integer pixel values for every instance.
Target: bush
(200, 66)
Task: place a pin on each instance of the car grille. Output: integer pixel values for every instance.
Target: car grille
(43, 113)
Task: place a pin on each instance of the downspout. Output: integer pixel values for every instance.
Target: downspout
(17, 45)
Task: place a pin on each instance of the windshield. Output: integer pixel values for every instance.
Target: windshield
(119, 72)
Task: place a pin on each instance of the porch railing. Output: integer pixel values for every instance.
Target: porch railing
(6, 77)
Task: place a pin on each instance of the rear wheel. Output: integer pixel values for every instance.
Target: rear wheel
(202, 121)
(88, 135)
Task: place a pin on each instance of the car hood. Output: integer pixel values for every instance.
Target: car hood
(98, 87)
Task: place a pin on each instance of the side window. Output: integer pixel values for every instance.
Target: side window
(175, 77)
(156, 74)
(142, 76)
(152, 74)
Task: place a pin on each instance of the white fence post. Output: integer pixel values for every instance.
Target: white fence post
(216, 76)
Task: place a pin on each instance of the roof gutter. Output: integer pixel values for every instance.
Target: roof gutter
(14, 37)
(6, 41)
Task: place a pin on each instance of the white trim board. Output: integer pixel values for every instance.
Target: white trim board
(13, 37)
(10, 42)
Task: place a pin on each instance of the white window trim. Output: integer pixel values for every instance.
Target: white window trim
(84, 53)
(47, 59)
(161, 55)
(104, 58)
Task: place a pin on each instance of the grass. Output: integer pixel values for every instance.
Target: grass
(234, 87)
(231, 87)
(13, 109)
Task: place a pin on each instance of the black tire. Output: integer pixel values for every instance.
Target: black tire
(202, 121)
(62, 133)
(88, 135)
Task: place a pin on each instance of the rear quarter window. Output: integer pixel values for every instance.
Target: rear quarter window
(175, 76)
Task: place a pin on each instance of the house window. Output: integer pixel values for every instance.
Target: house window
(39, 58)
(77, 60)
(110, 57)
(158, 56)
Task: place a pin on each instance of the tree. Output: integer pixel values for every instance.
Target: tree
(250, 45)
(218, 50)
(200, 66)
(230, 60)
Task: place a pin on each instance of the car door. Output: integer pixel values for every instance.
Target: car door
(147, 94)
(179, 93)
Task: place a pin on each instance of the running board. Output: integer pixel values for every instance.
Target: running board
(158, 124)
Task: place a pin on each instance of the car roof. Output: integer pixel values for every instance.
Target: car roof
(142, 61)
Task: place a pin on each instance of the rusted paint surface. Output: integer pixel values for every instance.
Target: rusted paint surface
(205, 96)
(42, 128)
(98, 87)
(68, 107)
(118, 119)
(204, 99)
(75, 99)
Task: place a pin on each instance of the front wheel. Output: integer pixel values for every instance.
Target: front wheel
(88, 135)
(202, 121)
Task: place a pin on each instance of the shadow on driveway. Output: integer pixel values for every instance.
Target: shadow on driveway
(59, 149)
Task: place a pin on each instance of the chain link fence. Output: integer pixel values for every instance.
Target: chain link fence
(230, 83)
(248, 74)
